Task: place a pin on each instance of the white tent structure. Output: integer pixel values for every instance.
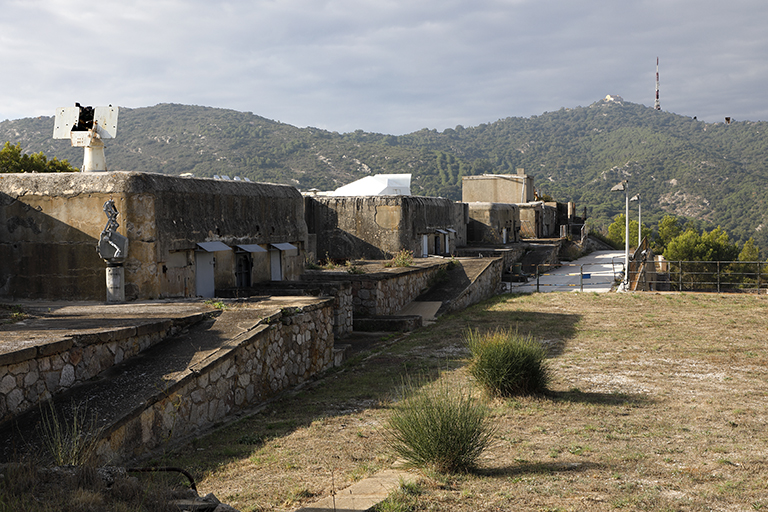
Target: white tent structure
(377, 185)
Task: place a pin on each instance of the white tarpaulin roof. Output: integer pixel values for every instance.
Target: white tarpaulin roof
(378, 185)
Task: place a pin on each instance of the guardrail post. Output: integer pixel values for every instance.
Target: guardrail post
(537, 278)
(718, 276)
(581, 278)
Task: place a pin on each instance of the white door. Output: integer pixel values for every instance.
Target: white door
(424, 246)
(447, 239)
(275, 266)
(204, 284)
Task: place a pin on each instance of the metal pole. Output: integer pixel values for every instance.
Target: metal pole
(537, 278)
(718, 277)
(581, 278)
(626, 239)
(680, 264)
(758, 278)
(639, 222)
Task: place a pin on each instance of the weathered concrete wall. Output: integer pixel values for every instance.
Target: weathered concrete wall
(35, 372)
(489, 221)
(50, 224)
(497, 188)
(550, 226)
(377, 227)
(286, 349)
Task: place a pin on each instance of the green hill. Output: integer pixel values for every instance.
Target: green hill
(715, 174)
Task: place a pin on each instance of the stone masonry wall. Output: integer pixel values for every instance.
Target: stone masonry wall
(35, 373)
(341, 291)
(284, 350)
(383, 293)
(483, 287)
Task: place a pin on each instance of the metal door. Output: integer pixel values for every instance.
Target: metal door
(275, 265)
(243, 270)
(204, 285)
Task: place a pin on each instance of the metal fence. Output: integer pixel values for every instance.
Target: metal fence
(702, 276)
(587, 274)
(686, 276)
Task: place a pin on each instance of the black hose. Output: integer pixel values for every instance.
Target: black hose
(168, 470)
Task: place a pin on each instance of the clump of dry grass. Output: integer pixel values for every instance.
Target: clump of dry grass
(507, 363)
(440, 426)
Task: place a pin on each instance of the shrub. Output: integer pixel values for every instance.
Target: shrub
(507, 363)
(442, 428)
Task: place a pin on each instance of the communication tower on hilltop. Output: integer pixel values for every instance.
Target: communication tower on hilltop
(657, 105)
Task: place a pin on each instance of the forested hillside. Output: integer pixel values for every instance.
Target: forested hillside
(713, 173)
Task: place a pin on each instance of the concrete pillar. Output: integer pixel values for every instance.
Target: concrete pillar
(116, 284)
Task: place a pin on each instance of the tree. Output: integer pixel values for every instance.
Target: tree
(706, 246)
(749, 252)
(12, 160)
(618, 228)
(669, 228)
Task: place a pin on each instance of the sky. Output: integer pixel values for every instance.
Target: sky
(385, 66)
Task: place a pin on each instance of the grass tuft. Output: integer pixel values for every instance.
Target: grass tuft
(70, 441)
(507, 363)
(440, 427)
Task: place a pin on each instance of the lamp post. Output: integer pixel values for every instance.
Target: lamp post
(636, 197)
(624, 187)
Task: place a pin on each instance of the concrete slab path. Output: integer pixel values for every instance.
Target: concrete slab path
(596, 272)
(364, 494)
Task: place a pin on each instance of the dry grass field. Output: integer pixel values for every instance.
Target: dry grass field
(658, 402)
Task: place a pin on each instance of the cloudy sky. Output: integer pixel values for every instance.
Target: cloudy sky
(389, 66)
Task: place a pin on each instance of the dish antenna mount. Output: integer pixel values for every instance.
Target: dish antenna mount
(86, 127)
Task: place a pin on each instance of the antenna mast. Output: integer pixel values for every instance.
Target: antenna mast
(657, 105)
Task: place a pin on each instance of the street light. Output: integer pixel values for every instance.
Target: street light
(636, 197)
(624, 187)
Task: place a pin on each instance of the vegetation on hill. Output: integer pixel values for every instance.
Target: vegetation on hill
(713, 174)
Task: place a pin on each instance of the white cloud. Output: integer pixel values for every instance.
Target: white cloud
(390, 66)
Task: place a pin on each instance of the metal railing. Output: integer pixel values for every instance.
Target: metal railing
(703, 276)
(615, 273)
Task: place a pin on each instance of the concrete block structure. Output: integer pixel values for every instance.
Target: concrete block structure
(186, 237)
(493, 223)
(498, 188)
(377, 227)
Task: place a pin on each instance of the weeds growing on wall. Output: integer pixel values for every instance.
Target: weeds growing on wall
(403, 258)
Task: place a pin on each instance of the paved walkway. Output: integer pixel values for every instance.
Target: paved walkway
(364, 494)
(596, 272)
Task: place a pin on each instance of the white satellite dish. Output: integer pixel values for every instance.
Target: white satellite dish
(86, 127)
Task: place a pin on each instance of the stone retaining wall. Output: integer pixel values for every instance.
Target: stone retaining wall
(383, 293)
(285, 349)
(483, 287)
(34, 373)
(341, 291)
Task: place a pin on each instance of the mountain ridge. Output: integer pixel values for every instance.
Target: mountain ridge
(711, 173)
